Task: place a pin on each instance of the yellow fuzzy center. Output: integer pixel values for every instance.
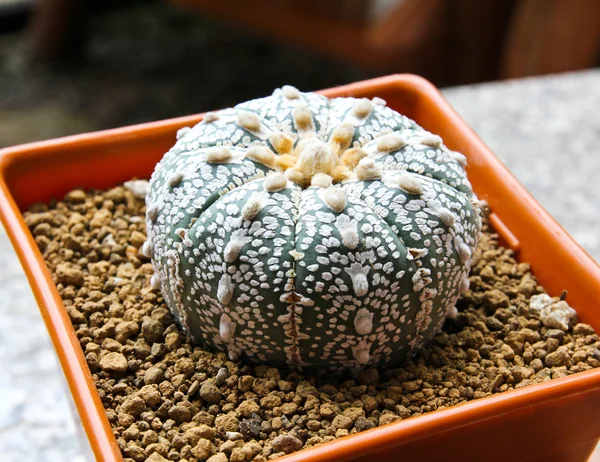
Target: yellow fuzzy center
(314, 157)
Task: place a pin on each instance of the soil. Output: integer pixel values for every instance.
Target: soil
(169, 400)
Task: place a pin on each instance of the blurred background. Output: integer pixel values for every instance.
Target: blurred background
(69, 66)
(73, 66)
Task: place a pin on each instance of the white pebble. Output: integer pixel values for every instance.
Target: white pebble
(553, 314)
(234, 436)
(139, 188)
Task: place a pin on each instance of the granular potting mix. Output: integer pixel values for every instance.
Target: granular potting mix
(169, 400)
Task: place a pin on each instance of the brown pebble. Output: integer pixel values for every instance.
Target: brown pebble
(158, 350)
(554, 333)
(583, 329)
(245, 383)
(220, 457)
(150, 395)
(180, 413)
(125, 330)
(385, 419)
(113, 362)
(289, 409)
(203, 449)
(210, 393)
(101, 218)
(287, 444)
(137, 239)
(369, 376)
(132, 433)
(559, 358)
(284, 385)
(227, 423)
(156, 457)
(152, 331)
(270, 401)
(354, 413)
(69, 276)
(411, 386)
(362, 424)
(153, 375)
(173, 341)
(77, 196)
(238, 455)
(248, 407)
(495, 299)
(402, 411)
(328, 410)
(395, 392)
(194, 434)
(133, 405)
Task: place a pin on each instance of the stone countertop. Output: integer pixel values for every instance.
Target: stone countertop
(543, 129)
(547, 132)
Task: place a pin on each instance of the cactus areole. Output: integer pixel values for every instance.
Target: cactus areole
(311, 232)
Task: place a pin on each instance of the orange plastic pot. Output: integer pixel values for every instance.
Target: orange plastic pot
(557, 420)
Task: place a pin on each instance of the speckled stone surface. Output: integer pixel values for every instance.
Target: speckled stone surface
(36, 421)
(547, 131)
(544, 129)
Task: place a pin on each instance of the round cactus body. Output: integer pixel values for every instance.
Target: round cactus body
(298, 230)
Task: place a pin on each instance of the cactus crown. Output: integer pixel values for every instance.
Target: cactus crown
(305, 231)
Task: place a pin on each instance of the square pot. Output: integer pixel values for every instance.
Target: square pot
(555, 420)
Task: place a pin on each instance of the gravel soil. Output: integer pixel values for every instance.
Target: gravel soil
(169, 400)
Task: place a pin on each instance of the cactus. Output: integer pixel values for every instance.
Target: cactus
(302, 231)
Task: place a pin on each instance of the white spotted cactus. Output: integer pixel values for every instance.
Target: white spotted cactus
(302, 231)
